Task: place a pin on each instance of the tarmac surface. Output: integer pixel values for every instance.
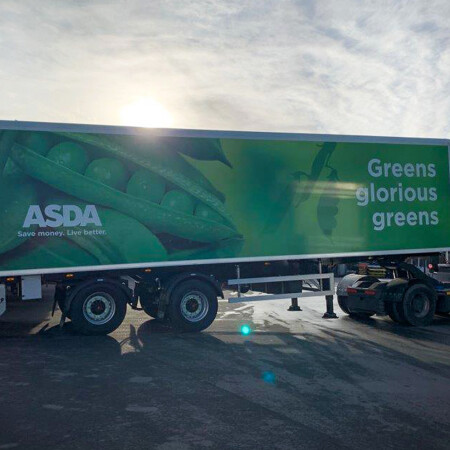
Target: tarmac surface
(297, 381)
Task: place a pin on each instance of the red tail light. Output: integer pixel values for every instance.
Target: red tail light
(351, 290)
(370, 292)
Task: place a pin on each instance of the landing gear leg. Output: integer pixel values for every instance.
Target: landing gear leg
(294, 305)
(330, 314)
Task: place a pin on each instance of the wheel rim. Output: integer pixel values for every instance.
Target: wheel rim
(194, 306)
(99, 308)
(420, 305)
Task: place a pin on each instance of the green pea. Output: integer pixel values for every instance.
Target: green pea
(37, 141)
(147, 185)
(70, 155)
(16, 195)
(205, 212)
(108, 171)
(178, 201)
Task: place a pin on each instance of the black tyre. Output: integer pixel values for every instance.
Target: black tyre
(419, 305)
(342, 301)
(151, 310)
(193, 306)
(98, 309)
(395, 312)
(60, 297)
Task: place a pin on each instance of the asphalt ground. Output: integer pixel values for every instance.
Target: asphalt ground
(297, 381)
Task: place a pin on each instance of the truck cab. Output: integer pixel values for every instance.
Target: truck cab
(409, 296)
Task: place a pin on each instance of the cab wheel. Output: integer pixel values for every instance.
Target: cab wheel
(419, 305)
(362, 315)
(395, 312)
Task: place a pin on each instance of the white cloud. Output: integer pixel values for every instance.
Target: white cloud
(350, 67)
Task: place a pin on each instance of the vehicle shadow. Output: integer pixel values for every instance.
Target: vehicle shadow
(225, 384)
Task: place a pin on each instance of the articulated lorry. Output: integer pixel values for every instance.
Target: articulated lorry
(163, 220)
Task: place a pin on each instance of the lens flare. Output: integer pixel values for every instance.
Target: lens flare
(245, 330)
(269, 377)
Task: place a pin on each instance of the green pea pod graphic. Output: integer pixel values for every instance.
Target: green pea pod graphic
(299, 189)
(320, 161)
(167, 151)
(176, 170)
(55, 172)
(16, 195)
(125, 240)
(7, 139)
(47, 253)
(200, 148)
(328, 205)
(223, 249)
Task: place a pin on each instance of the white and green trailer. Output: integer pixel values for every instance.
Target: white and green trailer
(162, 219)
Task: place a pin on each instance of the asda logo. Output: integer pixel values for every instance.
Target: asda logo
(61, 215)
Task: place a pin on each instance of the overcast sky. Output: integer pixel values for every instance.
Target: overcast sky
(344, 66)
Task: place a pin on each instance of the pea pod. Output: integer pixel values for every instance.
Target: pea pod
(176, 170)
(327, 207)
(101, 250)
(167, 151)
(203, 149)
(320, 161)
(7, 139)
(224, 249)
(125, 240)
(46, 253)
(16, 195)
(153, 215)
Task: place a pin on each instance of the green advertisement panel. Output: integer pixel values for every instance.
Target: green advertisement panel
(71, 199)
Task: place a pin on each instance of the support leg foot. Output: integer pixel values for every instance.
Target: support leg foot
(294, 305)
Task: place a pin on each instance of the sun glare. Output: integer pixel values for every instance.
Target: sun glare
(145, 112)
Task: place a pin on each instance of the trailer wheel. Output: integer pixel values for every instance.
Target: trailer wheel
(193, 305)
(98, 309)
(419, 305)
(60, 297)
(152, 311)
(342, 302)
